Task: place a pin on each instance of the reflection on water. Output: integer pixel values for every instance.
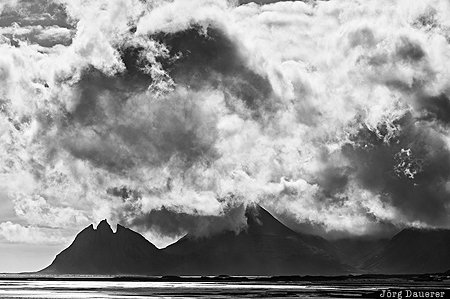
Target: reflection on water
(130, 289)
(42, 288)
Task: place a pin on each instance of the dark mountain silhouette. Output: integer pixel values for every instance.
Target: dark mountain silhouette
(356, 251)
(413, 251)
(101, 251)
(265, 247)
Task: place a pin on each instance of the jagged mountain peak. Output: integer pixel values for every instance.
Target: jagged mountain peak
(101, 251)
(104, 227)
(121, 228)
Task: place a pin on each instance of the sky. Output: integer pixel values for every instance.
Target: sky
(170, 117)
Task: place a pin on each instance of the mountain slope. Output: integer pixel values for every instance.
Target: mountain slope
(356, 251)
(101, 251)
(266, 247)
(413, 251)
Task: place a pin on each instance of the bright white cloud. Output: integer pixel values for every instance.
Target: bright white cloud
(16, 233)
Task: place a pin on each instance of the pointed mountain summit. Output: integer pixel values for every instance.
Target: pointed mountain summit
(104, 228)
(265, 247)
(101, 251)
(414, 251)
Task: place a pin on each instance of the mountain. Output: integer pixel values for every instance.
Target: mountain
(355, 251)
(101, 251)
(413, 251)
(265, 247)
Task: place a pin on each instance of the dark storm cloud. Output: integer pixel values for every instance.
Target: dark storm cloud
(117, 89)
(435, 108)
(411, 170)
(409, 50)
(333, 179)
(207, 58)
(176, 223)
(197, 60)
(107, 129)
(428, 106)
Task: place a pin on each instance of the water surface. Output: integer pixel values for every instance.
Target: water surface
(42, 288)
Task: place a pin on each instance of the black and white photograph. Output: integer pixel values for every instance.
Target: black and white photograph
(224, 149)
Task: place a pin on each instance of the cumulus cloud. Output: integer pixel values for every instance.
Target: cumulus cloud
(171, 116)
(16, 233)
(44, 36)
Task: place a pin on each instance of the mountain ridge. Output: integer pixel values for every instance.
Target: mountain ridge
(428, 251)
(265, 247)
(103, 251)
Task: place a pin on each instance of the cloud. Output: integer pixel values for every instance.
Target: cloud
(410, 167)
(16, 233)
(171, 116)
(38, 211)
(172, 223)
(43, 36)
(8, 4)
